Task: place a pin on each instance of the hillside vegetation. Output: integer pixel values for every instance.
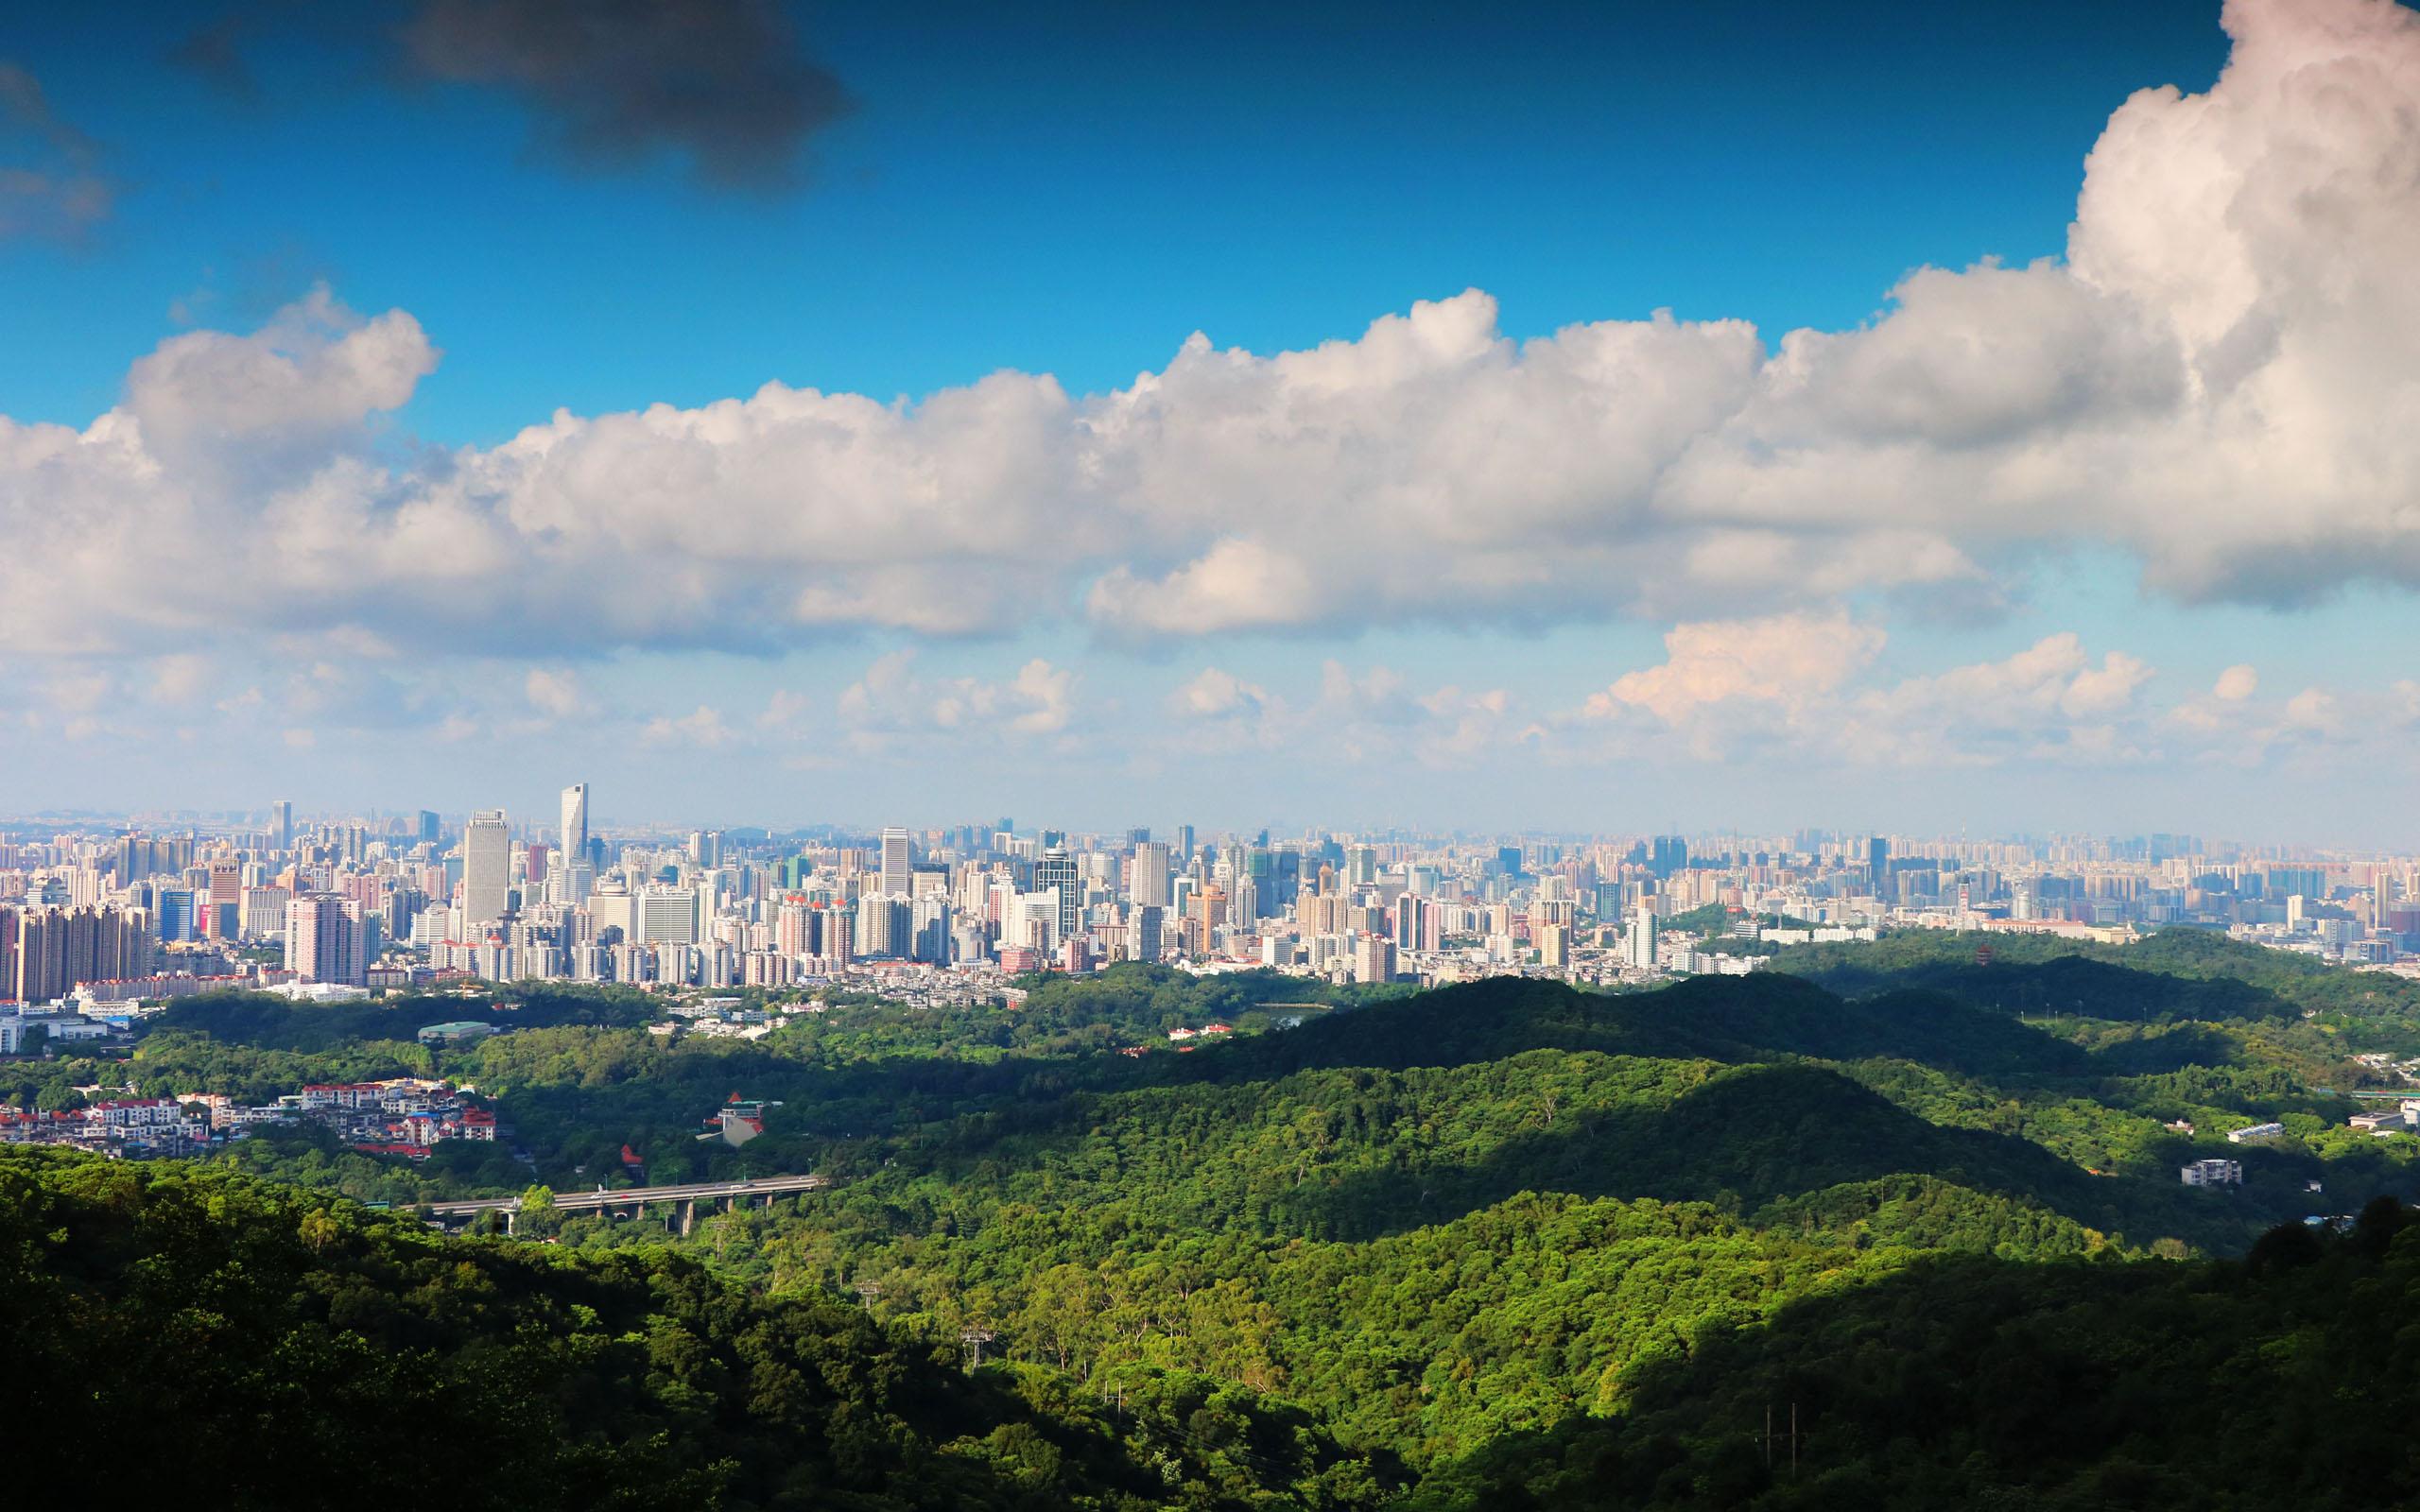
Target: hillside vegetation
(1504, 1244)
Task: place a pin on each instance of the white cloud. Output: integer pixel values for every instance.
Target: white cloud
(180, 679)
(1785, 658)
(890, 700)
(1801, 683)
(702, 726)
(2236, 683)
(315, 368)
(1215, 693)
(554, 691)
(2217, 378)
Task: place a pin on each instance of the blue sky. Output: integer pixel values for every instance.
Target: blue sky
(1074, 194)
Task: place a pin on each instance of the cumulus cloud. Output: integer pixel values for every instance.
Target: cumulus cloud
(316, 368)
(180, 679)
(702, 726)
(1728, 689)
(554, 691)
(1373, 714)
(1215, 693)
(891, 701)
(1785, 658)
(2215, 379)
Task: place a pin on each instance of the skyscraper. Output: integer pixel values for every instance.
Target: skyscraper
(281, 824)
(895, 876)
(1056, 871)
(487, 868)
(1640, 947)
(1669, 855)
(575, 821)
(1148, 884)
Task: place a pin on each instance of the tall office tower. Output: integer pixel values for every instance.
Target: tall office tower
(886, 928)
(1184, 845)
(1149, 886)
(429, 827)
(668, 915)
(1244, 908)
(1640, 947)
(931, 918)
(575, 821)
(1670, 855)
(895, 876)
(1361, 866)
(1056, 871)
(1877, 861)
(221, 910)
(1208, 915)
(487, 868)
(326, 940)
(281, 824)
(173, 908)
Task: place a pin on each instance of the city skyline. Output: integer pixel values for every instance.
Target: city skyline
(332, 912)
(2044, 466)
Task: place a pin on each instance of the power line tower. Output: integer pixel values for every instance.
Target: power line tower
(1792, 1437)
(975, 1339)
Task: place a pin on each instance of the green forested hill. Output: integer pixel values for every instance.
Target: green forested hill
(2284, 1380)
(1494, 1237)
(251, 1345)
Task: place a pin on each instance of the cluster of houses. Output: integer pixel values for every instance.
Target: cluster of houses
(406, 1116)
(132, 1126)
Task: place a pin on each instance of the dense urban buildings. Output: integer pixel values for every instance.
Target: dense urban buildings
(338, 904)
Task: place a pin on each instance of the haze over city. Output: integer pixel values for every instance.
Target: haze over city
(1600, 419)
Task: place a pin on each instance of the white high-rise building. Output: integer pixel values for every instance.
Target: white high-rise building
(1149, 882)
(668, 916)
(1640, 947)
(895, 879)
(576, 821)
(1056, 874)
(487, 868)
